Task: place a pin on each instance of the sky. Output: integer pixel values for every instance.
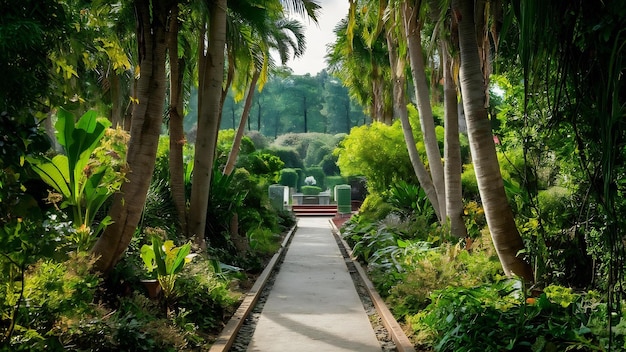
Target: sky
(317, 36)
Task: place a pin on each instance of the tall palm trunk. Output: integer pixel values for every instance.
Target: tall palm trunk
(116, 99)
(234, 150)
(427, 122)
(177, 134)
(211, 74)
(400, 110)
(144, 133)
(452, 149)
(504, 233)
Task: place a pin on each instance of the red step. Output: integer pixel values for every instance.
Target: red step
(314, 210)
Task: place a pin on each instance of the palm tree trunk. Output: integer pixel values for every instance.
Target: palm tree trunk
(452, 149)
(506, 237)
(234, 150)
(422, 96)
(210, 92)
(400, 110)
(116, 99)
(144, 133)
(177, 134)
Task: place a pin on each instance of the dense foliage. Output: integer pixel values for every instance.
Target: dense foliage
(555, 121)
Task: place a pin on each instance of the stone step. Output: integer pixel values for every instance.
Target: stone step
(314, 210)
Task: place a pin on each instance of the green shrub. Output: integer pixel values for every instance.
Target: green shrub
(332, 181)
(159, 210)
(381, 165)
(316, 152)
(499, 317)
(136, 325)
(225, 200)
(261, 164)
(329, 165)
(53, 294)
(264, 241)
(204, 295)
(289, 178)
(311, 190)
(374, 207)
(555, 206)
(407, 199)
(258, 140)
(433, 268)
(307, 144)
(469, 183)
(289, 156)
(301, 178)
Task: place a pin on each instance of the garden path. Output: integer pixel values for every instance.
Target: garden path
(313, 305)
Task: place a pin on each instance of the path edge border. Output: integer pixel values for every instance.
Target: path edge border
(228, 335)
(403, 344)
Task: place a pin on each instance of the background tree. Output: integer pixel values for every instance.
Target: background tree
(27, 34)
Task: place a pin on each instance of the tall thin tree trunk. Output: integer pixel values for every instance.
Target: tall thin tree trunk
(144, 133)
(210, 93)
(258, 117)
(400, 110)
(177, 134)
(306, 120)
(422, 96)
(116, 99)
(128, 113)
(234, 150)
(452, 149)
(506, 238)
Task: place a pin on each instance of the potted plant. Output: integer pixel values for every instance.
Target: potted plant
(167, 261)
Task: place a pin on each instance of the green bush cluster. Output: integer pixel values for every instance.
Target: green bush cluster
(311, 190)
(289, 178)
(500, 317)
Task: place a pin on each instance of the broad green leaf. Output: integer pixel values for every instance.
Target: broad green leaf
(64, 127)
(54, 173)
(180, 258)
(147, 254)
(158, 256)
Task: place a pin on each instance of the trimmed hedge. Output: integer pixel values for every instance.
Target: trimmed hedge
(289, 178)
(311, 190)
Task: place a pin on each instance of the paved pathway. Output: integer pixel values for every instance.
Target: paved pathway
(313, 305)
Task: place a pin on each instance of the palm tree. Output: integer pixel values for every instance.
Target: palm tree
(427, 122)
(210, 98)
(277, 38)
(362, 64)
(210, 76)
(178, 65)
(506, 238)
(452, 148)
(396, 38)
(152, 19)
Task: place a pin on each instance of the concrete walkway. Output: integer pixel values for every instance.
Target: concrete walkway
(313, 305)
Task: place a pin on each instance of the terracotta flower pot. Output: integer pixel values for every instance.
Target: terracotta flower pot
(153, 287)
